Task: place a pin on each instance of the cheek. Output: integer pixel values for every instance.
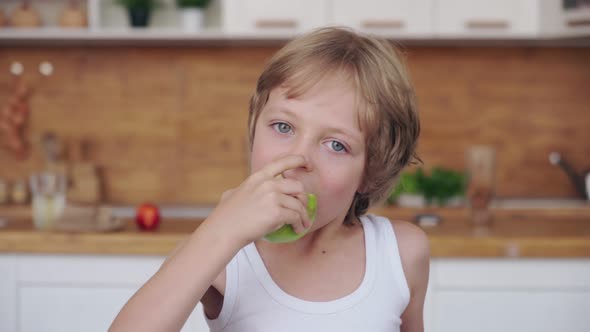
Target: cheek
(263, 151)
(341, 176)
(338, 187)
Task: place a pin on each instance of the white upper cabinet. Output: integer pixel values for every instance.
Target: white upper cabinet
(486, 19)
(391, 18)
(565, 18)
(273, 16)
(283, 19)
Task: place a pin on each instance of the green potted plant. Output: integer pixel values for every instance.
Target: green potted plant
(408, 191)
(417, 189)
(445, 187)
(192, 13)
(139, 11)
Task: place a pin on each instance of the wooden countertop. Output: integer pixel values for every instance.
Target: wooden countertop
(544, 233)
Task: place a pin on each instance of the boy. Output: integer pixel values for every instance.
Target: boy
(333, 114)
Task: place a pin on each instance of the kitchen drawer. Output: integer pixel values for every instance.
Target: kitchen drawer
(518, 311)
(390, 18)
(87, 269)
(273, 16)
(565, 18)
(519, 274)
(70, 308)
(487, 19)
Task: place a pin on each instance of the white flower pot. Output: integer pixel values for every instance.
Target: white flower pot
(411, 200)
(192, 19)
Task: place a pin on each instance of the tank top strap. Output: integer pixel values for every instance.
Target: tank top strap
(387, 243)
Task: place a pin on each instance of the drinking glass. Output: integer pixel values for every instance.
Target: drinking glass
(48, 191)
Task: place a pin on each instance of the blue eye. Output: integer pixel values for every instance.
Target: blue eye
(338, 147)
(282, 127)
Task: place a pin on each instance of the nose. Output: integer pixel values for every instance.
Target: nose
(305, 148)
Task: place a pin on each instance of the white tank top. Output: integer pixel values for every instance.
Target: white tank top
(253, 302)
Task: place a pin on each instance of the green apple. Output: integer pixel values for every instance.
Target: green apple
(286, 233)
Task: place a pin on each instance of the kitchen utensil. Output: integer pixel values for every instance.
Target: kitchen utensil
(580, 181)
(480, 162)
(18, 192)
(3, 191)
(85, 181)
(3, 20)
(53, 152)
(79, 218)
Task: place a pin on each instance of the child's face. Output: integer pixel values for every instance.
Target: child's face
(322, 126)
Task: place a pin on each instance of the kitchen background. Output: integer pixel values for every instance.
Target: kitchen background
(169, 124)
(160, 111)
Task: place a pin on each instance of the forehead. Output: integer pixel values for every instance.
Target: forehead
(332, 99)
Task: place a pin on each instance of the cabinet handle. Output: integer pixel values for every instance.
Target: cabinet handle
(276, 23)
(382, 24)
(580, 22)
(487, 24)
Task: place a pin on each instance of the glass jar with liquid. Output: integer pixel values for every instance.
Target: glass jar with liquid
(48, 198)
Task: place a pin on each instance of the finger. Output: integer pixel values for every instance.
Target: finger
(278, 166)
(292, 218)
(302, 222)
(290, 187)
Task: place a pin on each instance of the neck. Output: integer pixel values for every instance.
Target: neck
(320, 240)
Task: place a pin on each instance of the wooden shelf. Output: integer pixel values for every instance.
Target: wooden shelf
(58, 35)
(215, 36)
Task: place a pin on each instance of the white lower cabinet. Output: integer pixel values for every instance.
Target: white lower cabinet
(52, 293)
(507, 295)
(63, 293)
(62, 308)
(506, 310)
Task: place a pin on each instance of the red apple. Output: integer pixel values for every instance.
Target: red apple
(147, 217)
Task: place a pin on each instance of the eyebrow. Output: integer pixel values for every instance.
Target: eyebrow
(292, 114)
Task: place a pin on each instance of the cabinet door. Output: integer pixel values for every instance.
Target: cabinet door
(484, 295)
(8, 299)
(565, 18)
(57, 309)
(485, 18)
(273, 16)
(81, 292)
(506, 310)
(81, 308)
(391, 18)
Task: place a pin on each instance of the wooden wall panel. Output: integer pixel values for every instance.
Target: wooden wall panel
(526, 102)
(169, 124)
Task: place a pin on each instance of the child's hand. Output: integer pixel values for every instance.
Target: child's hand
(263, 203)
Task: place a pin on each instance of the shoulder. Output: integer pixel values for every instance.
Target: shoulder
(414, 251)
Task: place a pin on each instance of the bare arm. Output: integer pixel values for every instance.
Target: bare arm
(415, 255)
(167, 299)
(259, 205)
